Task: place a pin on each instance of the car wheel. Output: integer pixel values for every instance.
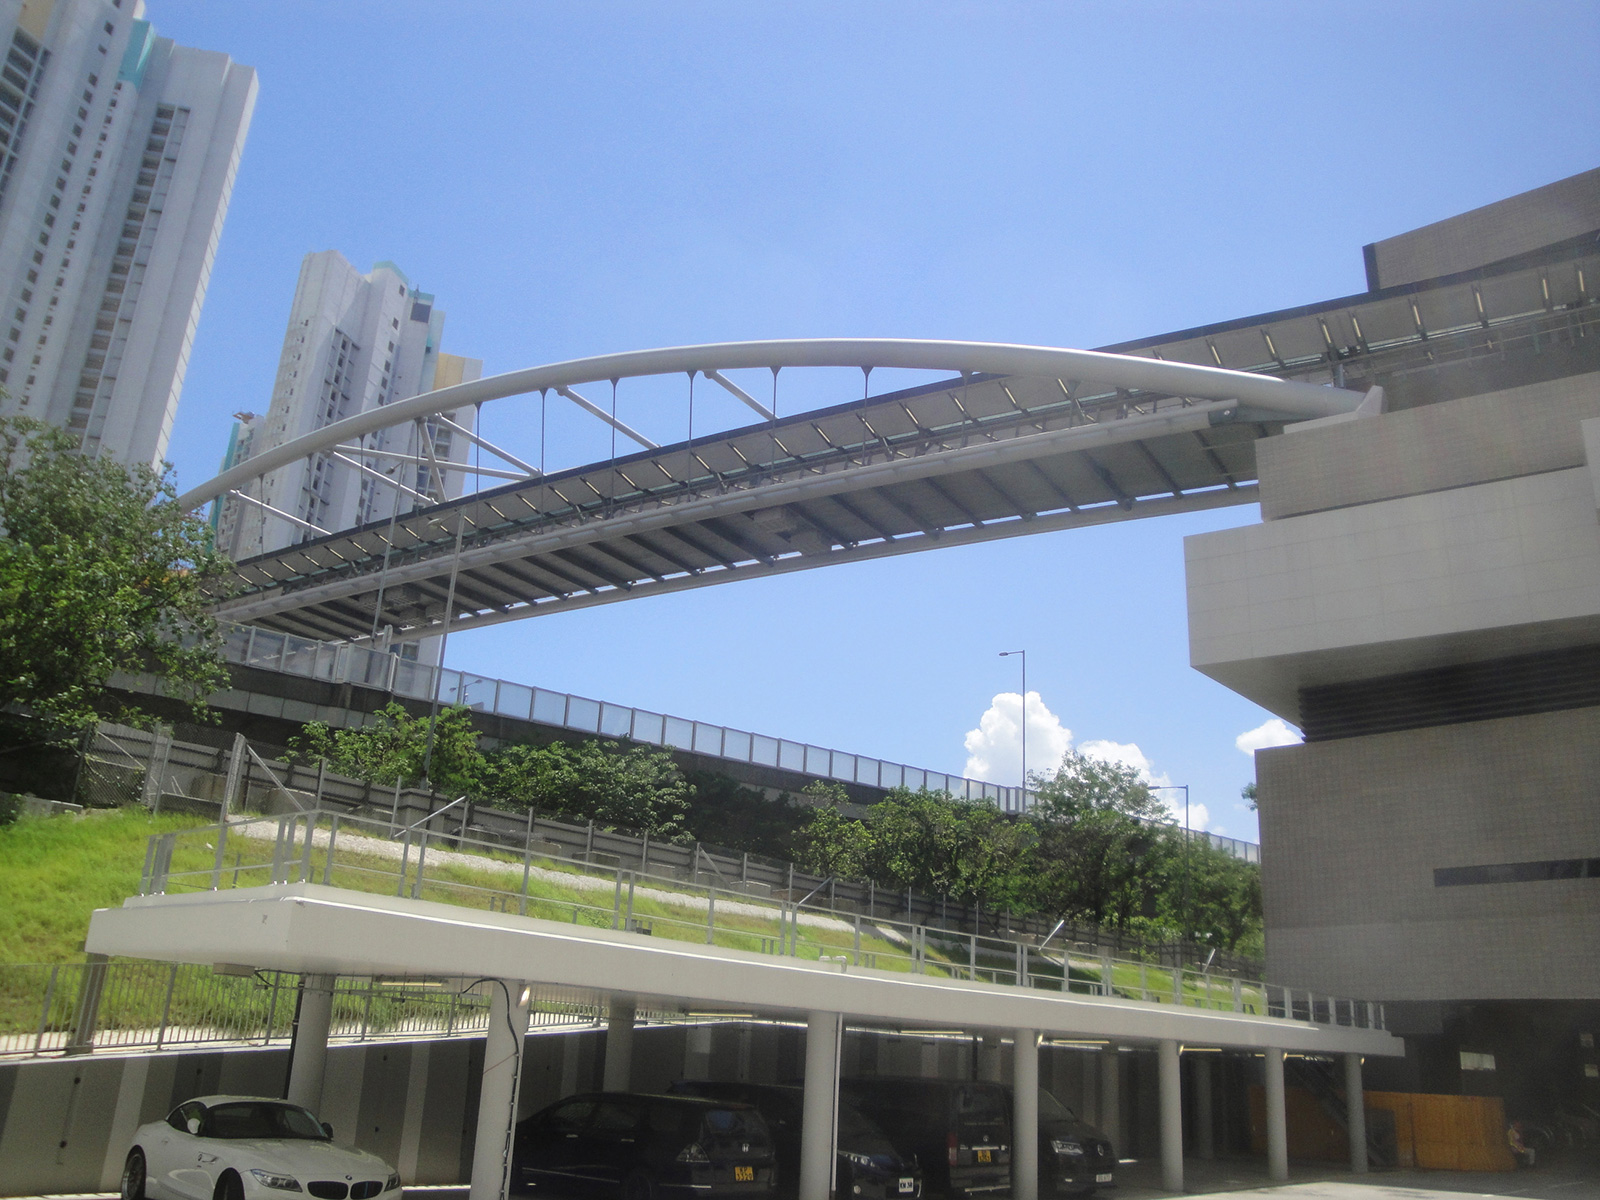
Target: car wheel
(133, 1176)
(639, 1186)
(229, 1188)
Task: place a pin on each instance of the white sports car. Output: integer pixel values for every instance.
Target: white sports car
(249, 1148)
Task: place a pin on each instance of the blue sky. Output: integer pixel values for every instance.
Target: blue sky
(582, 178)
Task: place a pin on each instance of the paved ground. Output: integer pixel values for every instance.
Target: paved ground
(1576, 1176)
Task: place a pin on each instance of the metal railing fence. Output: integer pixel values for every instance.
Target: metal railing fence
(441, 858)
(128, 1005)
(341, 662)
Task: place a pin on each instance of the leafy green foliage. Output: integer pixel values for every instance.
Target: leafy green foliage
(395, 747)
(99, 572)
(640, 789)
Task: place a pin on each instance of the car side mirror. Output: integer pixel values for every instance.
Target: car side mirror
(193, 1125)
(327, 1129)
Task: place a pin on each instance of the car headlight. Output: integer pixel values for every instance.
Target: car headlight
(271, 1179)
(392, 1183)
(1062, 1146)
(860, 1160)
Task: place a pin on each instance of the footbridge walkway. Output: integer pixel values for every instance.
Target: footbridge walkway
(327, 898)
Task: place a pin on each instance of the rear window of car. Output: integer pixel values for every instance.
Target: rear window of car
(260, 1120)
(981, 1108)
(719, 1126)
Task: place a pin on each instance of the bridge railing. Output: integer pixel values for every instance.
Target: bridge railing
(339, 662)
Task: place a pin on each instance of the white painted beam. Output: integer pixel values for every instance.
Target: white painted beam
(310, 928)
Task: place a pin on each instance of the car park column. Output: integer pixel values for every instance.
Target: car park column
(1277, 1123)
(1171, 1116)
(1356, 1113)
(619, 1044)
(497, 1095)
(309, 1055)
(1025, 1115)
(1111, 1093)
(820, 1106)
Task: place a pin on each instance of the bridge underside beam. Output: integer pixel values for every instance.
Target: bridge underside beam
(889, 475)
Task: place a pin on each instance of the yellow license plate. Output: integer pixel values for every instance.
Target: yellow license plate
(744, 1174)
(983, 1156)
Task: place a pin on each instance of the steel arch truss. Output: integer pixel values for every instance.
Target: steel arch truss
(981, 456)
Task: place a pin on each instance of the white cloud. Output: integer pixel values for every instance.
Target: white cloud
(994, 748)
(1126, 754)
(1274, 732)
(994, 751)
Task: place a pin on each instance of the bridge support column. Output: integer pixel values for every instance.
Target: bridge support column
(619, 1045)
(1356, 1113)
(497, 1096)
(1111, 1095)
(1205, 1139)
(820, 1106)
(308, 1057)
(1171, 1116)
(1277, 1119)
(1025, 1116)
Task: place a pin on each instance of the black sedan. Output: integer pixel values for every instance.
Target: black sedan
(645, 1148)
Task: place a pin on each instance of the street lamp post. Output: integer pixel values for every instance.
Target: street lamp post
(1022, 802)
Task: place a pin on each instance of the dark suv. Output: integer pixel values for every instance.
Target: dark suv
(959, 1132)
(1074, 1157)
(868, 1165)
(645, 1147)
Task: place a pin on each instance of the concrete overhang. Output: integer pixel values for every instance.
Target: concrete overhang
(311, 928)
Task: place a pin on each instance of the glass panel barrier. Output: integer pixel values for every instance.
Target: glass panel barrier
(583, 714)
(549, 707)
(267, 648)
(816, 759)
(914, 779)
(648, 727)
(867, 771)
(791, 756)
(764, 750)
(412, 679)
(516, 700)
(844, 766)
(680, 733)
(707, 738)
(890, 775)
(616, 720)
(478, 693)
(736, 745)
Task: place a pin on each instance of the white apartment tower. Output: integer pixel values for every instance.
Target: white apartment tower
(355, 342)
(118, 151)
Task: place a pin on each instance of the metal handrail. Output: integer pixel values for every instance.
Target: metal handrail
(307, 847)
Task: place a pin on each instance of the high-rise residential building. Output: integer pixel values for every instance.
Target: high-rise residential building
(354, 342)
(118, 150)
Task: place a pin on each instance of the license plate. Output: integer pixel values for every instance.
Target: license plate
(985, 1156)
(744, 1174)
(907, 1186)
(1105, 1177)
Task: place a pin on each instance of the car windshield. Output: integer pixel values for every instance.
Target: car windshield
(860, 1136)
(262, 1119)
(1051, 1109)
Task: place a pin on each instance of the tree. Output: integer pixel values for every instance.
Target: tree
(1248, 794)
(99, 572)
(934, 843)
(393, 749)
(638, 789)
(1082, 784)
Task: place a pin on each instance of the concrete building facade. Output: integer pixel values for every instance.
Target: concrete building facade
(1422, 598)
(118, 151)
(354, 342)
